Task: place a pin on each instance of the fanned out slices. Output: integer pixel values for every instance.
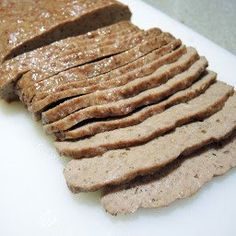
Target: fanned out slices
(160, 73)
(36, 24)
(125, 106)
(108, 67)
(118, 166)
(95, 127)
(138, 112)
(180, 179)
(199, 108)
(108, 80)
(80, 57)
(100, 67)
(38, 59)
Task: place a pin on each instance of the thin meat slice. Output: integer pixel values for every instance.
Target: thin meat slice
(126, 106)
(39, 59)
(161, 75)
(62, 47)
(115, 167)
(33, 69)
(108, 68)
(180, 179)
(94, 69)
(114, 65)
(199, 108)
(103, 85)
(125, 61)
(80, 57)
(137, 117)
(38, 23)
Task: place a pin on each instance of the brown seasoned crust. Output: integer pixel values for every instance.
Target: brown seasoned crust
(156, 125)
(111, 83)
(137, 117)
(126, 106)
(178, 180)
(176, 61)
(115, 167)
(31, 28)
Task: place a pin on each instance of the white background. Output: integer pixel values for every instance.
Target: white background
(34, 199)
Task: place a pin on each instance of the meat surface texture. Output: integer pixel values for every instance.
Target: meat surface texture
(137, 117)
(81, 56)
(107, 80)
(127, 86)
(126, 106)
(108, 68)
(178, 180)
(138, 112)
(35, 66)
(118, 166)
(38, 23)
(199, 108)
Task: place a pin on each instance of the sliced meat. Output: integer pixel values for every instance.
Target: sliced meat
(82, 74)
(32, 59)
(122, 165)
(126, 106)
(115, 82)
(108, 68)
(156, 125)
(38, 59)
(161, 75)
(38, 23)
(137, 117)
(77, 56)
(82, 56)
(180, 179)
(39, 69)
(115, 65)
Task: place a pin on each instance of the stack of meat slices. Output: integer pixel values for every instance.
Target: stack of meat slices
(138, 112)
(28, 25)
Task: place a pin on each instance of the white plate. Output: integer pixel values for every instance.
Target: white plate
(34, 199)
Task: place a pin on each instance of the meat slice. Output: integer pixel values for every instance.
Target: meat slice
(156, 125)
(38, 23)
(77, 56)
(38, 60)
(180, 179)
(107, 68)
(137, 117)
(126, 106)
(122, 165)
(69, 45)
(38, 68)
(82, 56)
(111, 83)
(122, 62)
(161, 74)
